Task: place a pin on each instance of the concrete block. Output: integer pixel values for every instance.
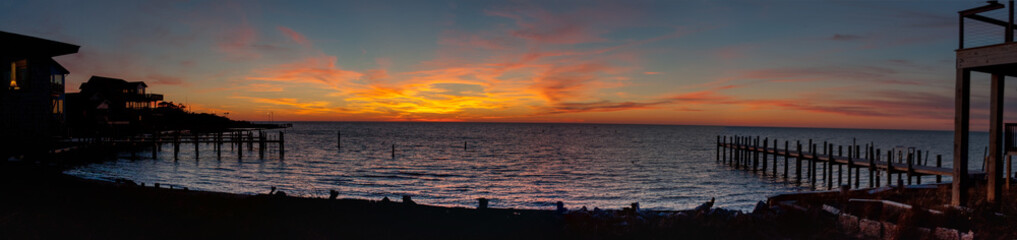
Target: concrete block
(848, 223)
(923, 233)
(970, 235)
(870, 229)
(890, 231)
(945, 234)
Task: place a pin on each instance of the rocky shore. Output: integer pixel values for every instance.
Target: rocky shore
(40, 202)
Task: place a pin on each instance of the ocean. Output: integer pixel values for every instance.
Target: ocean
(515, 165)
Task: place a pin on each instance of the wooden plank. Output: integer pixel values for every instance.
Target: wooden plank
(999, 54)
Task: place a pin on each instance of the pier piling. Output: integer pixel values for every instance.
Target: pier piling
(798, 165)
(787, 152)
(939, 163)
(766, 146)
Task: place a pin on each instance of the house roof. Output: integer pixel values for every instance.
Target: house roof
(97, 82)
(17, 45)
(59, 68)
(135, 84)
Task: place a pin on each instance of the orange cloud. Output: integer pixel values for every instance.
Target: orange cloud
(296, 106)
(316, 70)
(295, 36)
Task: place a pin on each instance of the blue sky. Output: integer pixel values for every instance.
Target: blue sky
(859, 64)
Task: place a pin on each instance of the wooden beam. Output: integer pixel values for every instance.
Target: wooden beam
(994, 168)
(977, 10)
(989, 20)
(962, 117)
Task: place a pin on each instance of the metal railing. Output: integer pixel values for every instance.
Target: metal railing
(975, 14)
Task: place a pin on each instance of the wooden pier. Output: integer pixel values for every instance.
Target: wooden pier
(829, 161)
(254, 139)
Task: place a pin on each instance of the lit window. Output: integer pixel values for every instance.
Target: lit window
(58, 106)
(14, 81)
(19, 74)
(57, 79)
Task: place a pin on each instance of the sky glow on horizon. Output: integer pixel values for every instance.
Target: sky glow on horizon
(840, 64)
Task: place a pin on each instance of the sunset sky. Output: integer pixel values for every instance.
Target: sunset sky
(845, 64)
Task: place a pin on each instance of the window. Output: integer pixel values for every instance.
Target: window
(19, 74)
(57, 79)
(13, 77)
(58, 106)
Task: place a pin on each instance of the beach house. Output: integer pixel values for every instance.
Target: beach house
(105, 102)
(32, 99)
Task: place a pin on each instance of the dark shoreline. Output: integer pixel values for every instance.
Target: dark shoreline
(44, 203)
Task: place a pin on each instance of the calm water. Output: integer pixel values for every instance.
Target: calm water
(515, 165)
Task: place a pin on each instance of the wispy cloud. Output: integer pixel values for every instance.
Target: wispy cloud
(295, 36)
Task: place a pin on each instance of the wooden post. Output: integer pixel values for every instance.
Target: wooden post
(196, 149)
(858, 171)
(339, 140)
(878, 154)
(738, 151)
(808, 148)
(393, 150)
(261, 144)
(872, 166)
(282, 145)
(911, 165)
(889, 168)
(840, 172)
(723, 153)
(828, 178)
(775, 153)
(718, 148)
(742, 141)
(240, 149)
(730, 150)
(918, 177)
(755, 154)
(731, 156)
(1009, 171)
(798, 164)
(155, 149)
(962, 116)
(218, 146)
(766, 146)
(734, 151)
(994, 168)
(787, 153)
(176, 146)
(939, 164)
(812, 171)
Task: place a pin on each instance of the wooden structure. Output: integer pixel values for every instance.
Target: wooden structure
(998, 60)
(754, 154)
(236, 140)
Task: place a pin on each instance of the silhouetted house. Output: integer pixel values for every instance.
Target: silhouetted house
(106, 102)
(32, 99)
